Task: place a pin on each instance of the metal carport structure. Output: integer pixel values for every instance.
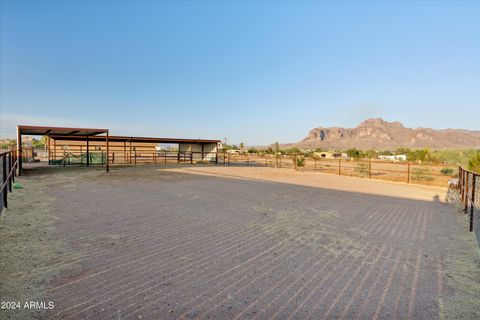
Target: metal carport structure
(130, 150)
(201, 149)
(84, 133)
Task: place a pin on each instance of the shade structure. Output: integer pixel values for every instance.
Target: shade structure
(63, 131)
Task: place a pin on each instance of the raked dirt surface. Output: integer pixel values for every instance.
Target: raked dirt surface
(206, 242)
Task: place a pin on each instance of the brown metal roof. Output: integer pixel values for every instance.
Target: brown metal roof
(64, 131)
(133, 139)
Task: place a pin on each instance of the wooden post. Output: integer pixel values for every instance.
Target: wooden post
(408, 172)
(339, 167)
(295, 161)
(370, 169)
(315, 159)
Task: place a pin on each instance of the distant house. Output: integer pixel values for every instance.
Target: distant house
(236, 151)
(330, 155)
(394, 158)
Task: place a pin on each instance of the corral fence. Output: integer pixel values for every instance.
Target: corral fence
(437, 175)
(372, 169)
(134, 157)
(9, 164)
(469, 185)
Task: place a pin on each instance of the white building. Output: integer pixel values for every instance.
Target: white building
(394, 158)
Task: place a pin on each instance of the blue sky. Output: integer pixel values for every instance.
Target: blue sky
(256, 72)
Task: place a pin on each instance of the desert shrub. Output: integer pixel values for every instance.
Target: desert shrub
(354, 153)
(361, 169)
(447, 171)
(474, 162)
(299, 161)
(422, 174)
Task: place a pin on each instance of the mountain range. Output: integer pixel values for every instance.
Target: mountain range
(383, 135)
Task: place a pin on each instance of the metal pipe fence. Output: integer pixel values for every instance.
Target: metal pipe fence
(469, 185)
(135, 157)
(407, 172)
(9, 163)
(372, 169)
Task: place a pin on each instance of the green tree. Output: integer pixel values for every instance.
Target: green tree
(354, 153)
(474, 162)
(370, 154)
(39, 144)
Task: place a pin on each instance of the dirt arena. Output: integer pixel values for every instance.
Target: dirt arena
(221, 242)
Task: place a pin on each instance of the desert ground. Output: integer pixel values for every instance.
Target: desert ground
(217, 242)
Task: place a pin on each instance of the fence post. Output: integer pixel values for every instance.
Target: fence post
(295, 161)
(10, 171)
(462, 183)
(248, 160)
(14, 165)
(113, 157)
(4, 178)
(165, 155)
(408, 172)
(466, 193)
(472, 200)
(370, 169)
(191, 157)
(315, 159)
(339, 167)
(460, 177)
